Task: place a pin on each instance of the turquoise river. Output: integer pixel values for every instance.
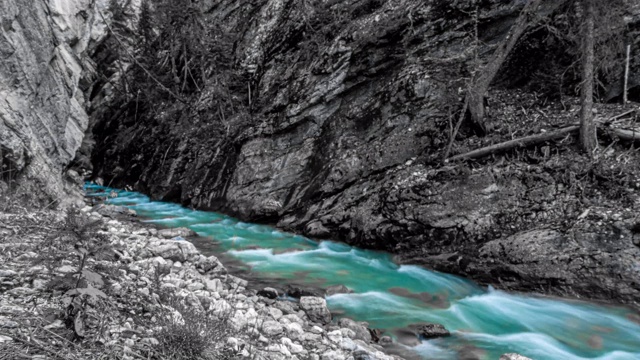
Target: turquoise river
(391, 296)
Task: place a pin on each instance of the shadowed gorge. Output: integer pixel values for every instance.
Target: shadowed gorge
(331, 119)
(417, 179)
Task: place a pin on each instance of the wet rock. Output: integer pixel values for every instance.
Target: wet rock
(207, 264)
(360, 329)
(317, 230)
(269, 293)
(337, 289)
(513, 356)
(429, 331)
(113, 211)
(298, 292)
(316, 309)
(176, 232)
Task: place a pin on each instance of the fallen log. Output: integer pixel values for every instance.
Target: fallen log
(521, 142)
(625, 134)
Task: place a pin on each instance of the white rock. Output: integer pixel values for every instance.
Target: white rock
(309, 337)
(513, 356)
(213, 285)
(348, 333)
(195, 286)
(335, 336)
(39, 284)
(272, 328)
(293, 348)
(66, 269)
(221, 307)
(333, 355)
(4, 339)
(348, 344)
(279, 348)
(144, 291)
(233, 343)
(275, 313)
(294, 330)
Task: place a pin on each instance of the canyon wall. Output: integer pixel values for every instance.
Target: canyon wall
(45, 69)
(335, 119)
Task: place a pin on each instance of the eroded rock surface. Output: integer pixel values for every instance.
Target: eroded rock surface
(45, 47)
(338, 131)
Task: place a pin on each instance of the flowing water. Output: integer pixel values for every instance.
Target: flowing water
(483, 322)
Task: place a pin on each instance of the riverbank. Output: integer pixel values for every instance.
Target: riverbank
(86, 285)
(484, 323)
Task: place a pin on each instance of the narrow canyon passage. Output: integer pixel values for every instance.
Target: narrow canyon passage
(483, 322)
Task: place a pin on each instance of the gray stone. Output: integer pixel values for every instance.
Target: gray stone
(113, 210)
(429, 331)
(175, 232)
(316, 309)
(7, 273)
(213, 285)
(207, 264)
(360, 330)
(272, 328)
(174, 250)
(513, 356)
(269, 293)
(337, 289)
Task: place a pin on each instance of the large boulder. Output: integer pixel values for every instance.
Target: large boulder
(174, 250)
(316, 309)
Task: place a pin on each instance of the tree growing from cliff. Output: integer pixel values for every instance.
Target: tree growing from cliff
(587, 126)
(593, 29)
(479, 85)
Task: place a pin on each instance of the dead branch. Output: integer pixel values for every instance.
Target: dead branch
(626, 134)
(516, 143)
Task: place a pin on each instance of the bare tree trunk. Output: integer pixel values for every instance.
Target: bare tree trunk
(587, 126)
(625, 98)
(483, 78)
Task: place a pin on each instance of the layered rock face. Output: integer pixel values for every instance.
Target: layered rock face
(340, 118)
(45, 68)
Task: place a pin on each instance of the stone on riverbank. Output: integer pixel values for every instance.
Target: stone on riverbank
(513, 356)
(316, 309)
(199, 287)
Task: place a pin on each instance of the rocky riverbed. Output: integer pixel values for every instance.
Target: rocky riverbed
(132, 281)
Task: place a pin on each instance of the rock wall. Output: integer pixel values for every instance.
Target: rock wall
(341, 116)
(45, 47)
